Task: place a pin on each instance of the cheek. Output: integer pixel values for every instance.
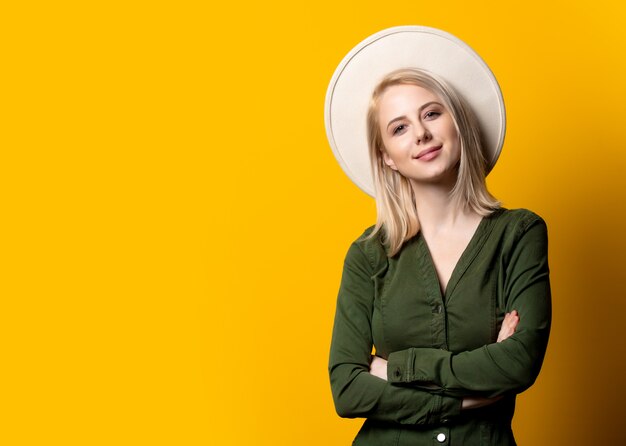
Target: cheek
(389, 148)
(451, 130)
(457, 154)
(456, 144)
(453, 137)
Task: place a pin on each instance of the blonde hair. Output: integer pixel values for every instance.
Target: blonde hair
(395, 199)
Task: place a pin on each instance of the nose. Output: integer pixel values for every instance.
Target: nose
(421, 134)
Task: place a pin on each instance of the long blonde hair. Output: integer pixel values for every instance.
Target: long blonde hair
(395, 199)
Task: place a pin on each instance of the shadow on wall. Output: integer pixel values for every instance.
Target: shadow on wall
(587, 352)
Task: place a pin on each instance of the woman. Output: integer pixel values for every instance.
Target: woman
(450, 289)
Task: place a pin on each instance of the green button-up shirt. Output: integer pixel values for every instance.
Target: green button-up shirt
(441, 347)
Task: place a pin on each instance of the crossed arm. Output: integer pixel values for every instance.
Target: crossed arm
(378, 366)
(440, 382)
(510, 366)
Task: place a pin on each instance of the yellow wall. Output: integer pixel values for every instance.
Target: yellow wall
(175, 222)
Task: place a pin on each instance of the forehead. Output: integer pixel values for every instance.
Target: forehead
(404, 98)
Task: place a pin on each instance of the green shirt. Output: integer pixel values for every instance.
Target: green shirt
(441, 347)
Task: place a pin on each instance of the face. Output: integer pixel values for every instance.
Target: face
(418, 133)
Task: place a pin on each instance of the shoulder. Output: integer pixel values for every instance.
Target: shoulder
(368, 249)
(519, 230)
(517, 221)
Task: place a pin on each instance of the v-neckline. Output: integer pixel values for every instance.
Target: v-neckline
(468, 254)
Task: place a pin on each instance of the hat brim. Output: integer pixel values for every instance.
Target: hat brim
(430, 49)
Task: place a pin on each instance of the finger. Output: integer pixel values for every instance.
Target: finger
(508, 327)
(511, 317)
(508, 320)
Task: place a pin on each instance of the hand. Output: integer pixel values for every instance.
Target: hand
(508, 325)
(475, 402)
(378, 367)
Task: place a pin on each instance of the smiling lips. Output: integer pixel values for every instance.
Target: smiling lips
(428, 154)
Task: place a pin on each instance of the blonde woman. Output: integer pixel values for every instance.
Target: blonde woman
(449, 289)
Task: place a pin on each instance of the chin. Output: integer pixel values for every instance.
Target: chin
(441, 176)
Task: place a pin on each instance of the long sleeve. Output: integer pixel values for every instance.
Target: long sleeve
(508, 366)
(356, 392)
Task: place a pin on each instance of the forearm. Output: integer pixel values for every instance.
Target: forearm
(491, 370)
(357, 393)
(378, 368)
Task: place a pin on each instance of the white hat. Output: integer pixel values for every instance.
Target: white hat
(430, 49)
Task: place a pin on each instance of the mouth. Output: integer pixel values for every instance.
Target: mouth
(427, 151)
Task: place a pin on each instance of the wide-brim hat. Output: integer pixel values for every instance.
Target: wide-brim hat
(429, 49)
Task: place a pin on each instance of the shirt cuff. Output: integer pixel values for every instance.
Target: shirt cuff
(416, 365)
(401, 367)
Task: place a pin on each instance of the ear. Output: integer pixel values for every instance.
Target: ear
(388, 161)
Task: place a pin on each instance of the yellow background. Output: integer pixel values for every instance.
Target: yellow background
(175, 222)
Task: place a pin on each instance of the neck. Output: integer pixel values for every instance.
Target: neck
(436, 210)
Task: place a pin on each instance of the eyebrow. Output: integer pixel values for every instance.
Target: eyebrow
(419, 110)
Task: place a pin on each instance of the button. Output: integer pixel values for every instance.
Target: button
(398, 373)
(441, 437)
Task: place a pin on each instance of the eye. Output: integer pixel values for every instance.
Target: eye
(399, 129)
(431, 114)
